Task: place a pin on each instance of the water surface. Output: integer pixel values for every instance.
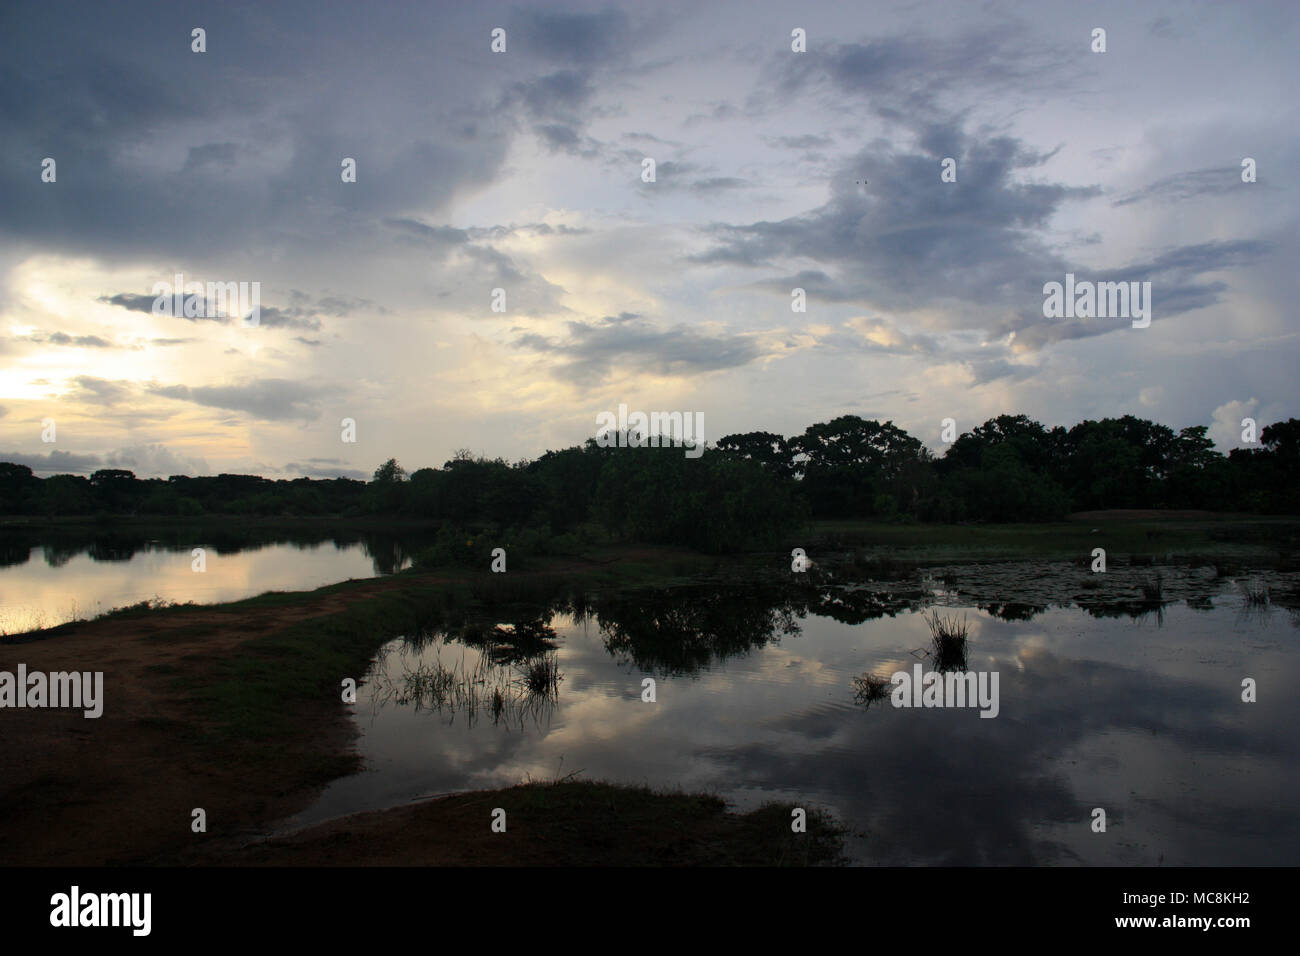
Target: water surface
(1136, 712)
(51, 576)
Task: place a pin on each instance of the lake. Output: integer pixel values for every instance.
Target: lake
(52, 575)
(1135, 709)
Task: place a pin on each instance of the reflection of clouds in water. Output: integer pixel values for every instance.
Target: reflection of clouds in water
(1141, 720)
(68, 573)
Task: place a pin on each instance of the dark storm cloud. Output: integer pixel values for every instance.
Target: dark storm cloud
(908, 239)
(592, 349)
(184, 153)
(560, 97)
(904, 76)
(557, 108)
(270, 399)
(582, 38)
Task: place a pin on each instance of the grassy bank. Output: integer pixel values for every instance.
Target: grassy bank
(1178, 535)
(564, 823)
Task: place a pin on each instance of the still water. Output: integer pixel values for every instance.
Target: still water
(1140, 714)
(48, 577)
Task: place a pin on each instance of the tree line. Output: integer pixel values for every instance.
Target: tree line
(747, 490)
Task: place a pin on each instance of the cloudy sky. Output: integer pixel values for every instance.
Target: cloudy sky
(522, 171)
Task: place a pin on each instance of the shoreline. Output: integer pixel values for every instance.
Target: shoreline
(234, 708)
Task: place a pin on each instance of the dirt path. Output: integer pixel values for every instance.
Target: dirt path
(121, 788)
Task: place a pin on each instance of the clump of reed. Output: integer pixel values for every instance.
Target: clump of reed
(542, 676)
(869, 688)
(948, 634)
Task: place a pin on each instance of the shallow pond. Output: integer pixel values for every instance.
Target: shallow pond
(1137, 713)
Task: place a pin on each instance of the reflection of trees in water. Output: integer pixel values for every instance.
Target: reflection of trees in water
(14, 552)
(856, 605)
(684, 630)
(514, 642)
(1013, 611)
(113, 549)
(1134, 610)
(389, 551)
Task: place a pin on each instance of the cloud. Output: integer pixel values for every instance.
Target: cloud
(909, 240)
(576, 38)
(271, 317)
(804, 142)
(155, 460)
(146, 460)
(1187, 185)
(592, 350)
(903, 76)
(76, 341)
(1225, 423)
(54, 463)
(221, 155)
(877, 334)
(312, 470)
(155, 158)
(268, 399)
(144, 303)
(100, 391)
(1176, 288)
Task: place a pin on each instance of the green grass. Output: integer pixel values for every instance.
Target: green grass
(1223, 538)
(583, 822)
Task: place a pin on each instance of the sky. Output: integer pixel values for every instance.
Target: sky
(524, 171)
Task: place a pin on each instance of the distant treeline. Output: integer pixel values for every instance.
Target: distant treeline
(750, 488)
